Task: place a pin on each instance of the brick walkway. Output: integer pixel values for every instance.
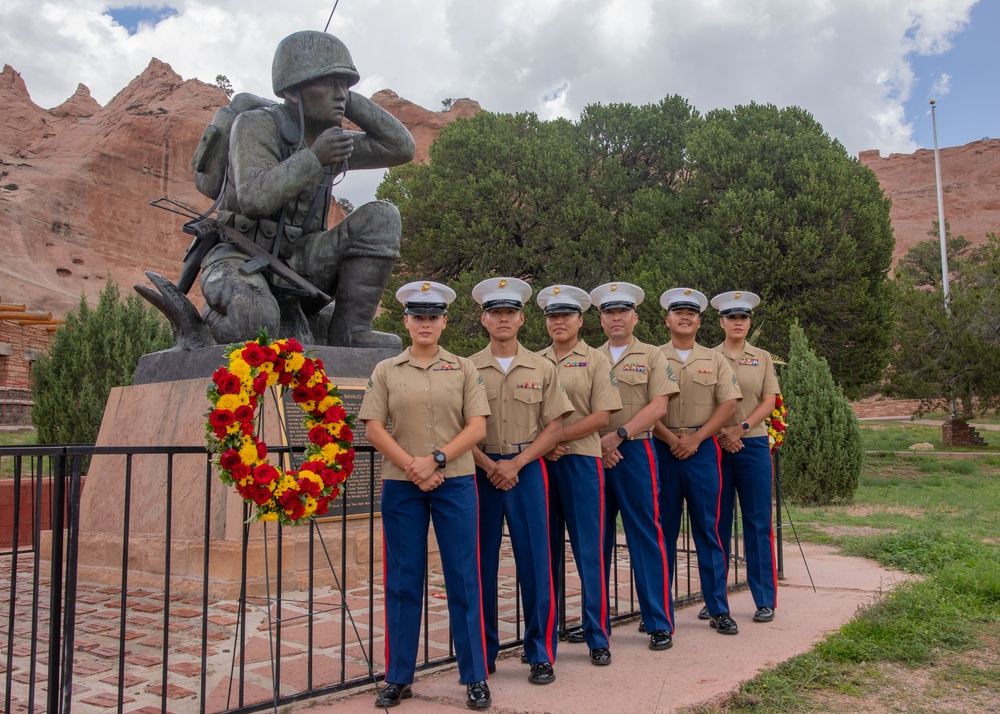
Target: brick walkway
(152, 628)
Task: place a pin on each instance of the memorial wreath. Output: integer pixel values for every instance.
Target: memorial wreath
(290, 497)
(777, 424)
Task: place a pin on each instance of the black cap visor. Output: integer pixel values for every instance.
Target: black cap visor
(685, 305)
(612, 304)
(426, 308)
(735, 311)
(504, 302)
(561, 308)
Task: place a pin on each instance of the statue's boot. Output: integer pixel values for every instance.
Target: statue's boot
(359, 289)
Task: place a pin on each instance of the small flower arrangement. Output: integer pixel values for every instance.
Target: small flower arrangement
(777, 424)
(290, 497)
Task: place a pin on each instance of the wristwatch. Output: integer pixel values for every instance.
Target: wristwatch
(622, 433)
(439, 458)
(746, 426)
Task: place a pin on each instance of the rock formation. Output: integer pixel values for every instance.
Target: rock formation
(76, 182)
(970, 178)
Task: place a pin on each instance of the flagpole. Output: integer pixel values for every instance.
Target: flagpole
(945, 280)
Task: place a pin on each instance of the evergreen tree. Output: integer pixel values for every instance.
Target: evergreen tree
(98, 348)
(821, 458)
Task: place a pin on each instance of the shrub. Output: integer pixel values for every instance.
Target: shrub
(97, 349)
(822, 456)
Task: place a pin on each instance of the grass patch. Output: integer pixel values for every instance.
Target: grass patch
(944, 416)
(18, 438)
(924, 515)
(899, 436)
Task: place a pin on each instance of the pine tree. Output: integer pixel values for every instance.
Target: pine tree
(98, 348)
(821, 458)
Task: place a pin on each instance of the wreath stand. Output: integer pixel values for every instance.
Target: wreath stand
(272, 606)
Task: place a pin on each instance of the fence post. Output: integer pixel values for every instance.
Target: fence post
(57, 504)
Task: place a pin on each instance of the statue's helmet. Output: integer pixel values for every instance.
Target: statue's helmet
(307, 55)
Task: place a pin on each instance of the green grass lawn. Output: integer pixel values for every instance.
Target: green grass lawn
(985, 419)
(927, 641)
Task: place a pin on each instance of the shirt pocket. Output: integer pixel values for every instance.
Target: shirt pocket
(632, 387)
(704, 393)
(528, 396)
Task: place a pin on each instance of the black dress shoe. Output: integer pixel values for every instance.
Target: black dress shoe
(478, 695)
(392, 694)
(642, 626)
(575, 634)
(703, 614)
(600, 656)
(725, 624)
(524, 658)
(542, 673)
(660, 640)
(763, 614)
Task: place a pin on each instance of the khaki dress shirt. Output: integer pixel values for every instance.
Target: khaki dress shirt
(706, 380)
(425, 407)
(586, 376)
(522, 401)
(642, 374)
(756, 376)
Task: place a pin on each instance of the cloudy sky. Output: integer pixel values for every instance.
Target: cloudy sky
(864, 68)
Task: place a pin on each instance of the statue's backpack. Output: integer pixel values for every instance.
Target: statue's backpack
(211, 157)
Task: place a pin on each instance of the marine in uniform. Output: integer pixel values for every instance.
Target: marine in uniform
(632, 484)
(527, 406)
(746, 454)
(688, 450)
(576, 471)
(437, 407)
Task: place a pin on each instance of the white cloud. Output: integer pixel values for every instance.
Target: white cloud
(845, 61)
(941, 86)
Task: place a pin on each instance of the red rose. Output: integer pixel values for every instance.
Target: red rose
(322, 505)
(319, 364)
(296, 512)
(261, 495)
(260, 383)
(229, 384)
(301, 394)
(778, 426)
(319, 392)
(219, 374)
(345, 433)
(314, 466)
(240, 471)
(229, 459)
(243, 413)
(335, 414)
(292, 345)
(221, 417)
(288, 498)
(253, 355)
(246, 428)
(334, 493)
(269, 354)
(279, 365)
(331, 477)
(309, 487)
(319, 435)
(261, 450)
(307, 369)
(246, 491)
(265, 474)
(220, 432)
(284, 379)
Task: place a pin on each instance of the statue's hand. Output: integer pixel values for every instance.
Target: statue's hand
(333, 146)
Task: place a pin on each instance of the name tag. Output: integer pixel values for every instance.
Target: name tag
(446, 367)
(529, 385)
(633, 367)
(750, 361)
(574, 364)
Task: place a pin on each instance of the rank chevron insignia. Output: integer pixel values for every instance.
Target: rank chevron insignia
(670, 374)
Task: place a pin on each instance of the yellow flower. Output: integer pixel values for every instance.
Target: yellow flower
(330, 451)
(240, 368)
(269, 516)
(272, 379)
(310, 476)
(248, 452)
(324, 405)
(310, 507)
(294, 362)
(229, 401)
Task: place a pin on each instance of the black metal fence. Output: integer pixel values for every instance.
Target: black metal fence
(172, 621)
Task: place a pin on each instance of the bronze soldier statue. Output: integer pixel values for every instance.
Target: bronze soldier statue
(282, 162)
